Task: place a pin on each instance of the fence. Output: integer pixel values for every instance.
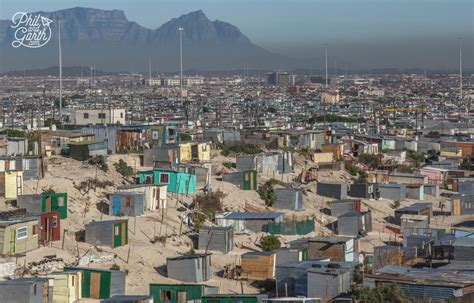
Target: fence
(290, 228)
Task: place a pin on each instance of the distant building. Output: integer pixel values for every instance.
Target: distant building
(95, 116)
(330, 96)
(280, 78)
(187, 81)
(154, 82)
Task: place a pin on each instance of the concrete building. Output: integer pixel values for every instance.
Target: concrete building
(281, 78)
(95, 116)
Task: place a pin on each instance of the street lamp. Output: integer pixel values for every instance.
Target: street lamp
(180, 29)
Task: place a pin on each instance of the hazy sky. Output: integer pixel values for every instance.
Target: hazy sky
(356, 29)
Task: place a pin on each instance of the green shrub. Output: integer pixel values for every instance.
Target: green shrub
(381, 294)
(270, 242)
(266, 193)
(100, 162)
(122, 168)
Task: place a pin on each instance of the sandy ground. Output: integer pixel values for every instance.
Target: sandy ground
(144, 261)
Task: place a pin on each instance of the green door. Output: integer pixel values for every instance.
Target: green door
(12, 241)
(117, 234)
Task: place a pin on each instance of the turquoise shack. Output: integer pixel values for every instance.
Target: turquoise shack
(178, 182)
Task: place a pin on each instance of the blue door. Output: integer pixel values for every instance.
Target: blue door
(116, 208)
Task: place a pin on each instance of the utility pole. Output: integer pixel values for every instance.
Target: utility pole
(149, 71)
(460, 68)
(60, 70)
(326, 56)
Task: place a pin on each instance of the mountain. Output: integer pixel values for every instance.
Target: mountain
(107, 40)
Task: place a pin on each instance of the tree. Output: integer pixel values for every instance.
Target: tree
(122, 168)
(270, 242)
(381, 294)
(370, 160)
(266, 193)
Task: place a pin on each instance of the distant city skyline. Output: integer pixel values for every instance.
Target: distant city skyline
(385, 33)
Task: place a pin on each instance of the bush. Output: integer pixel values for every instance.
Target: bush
(247, 149)
(208, 204)
(396, 204)
(269, 243)
(48, 190)
(416, 157)
(185, 137)
(122, 168)
(115, 267)
(352, 169)
(371, 161)
(100, 162)
(266, 193)
(381, 294)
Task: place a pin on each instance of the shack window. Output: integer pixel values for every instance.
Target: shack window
(117, 230)
(55, 222)
(128, 200)
(246, 176)
(72, 281)
(35, 230)
(467, 205)
(101, 115)
(164, 178)
(182, 297)
(165, 295)
(86, 115)
(22, 233)
(61, 201)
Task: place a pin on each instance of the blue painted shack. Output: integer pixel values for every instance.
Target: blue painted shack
(177, 181)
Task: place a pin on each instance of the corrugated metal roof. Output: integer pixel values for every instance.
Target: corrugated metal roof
(253, 215)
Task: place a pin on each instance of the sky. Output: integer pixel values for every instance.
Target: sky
(409, 31)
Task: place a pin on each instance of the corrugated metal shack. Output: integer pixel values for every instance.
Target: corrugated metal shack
(354, 223)
(82, 151)
(336, 248)
(129, 140)
(245, 180)
(393, 255)
(129, 299)
(340, 207)
(44, 203)
(266, 163)
(390, 191)
(431, 190)
(463, 249)
(258, 265)
(172, 293)
(421, 243)
(289, 254)
(35, 290)
(126, 204)
(433, 285)
(462, 205)
(168, 154)
(155, 195)
(335, 190)
(202, 171)
(414, 221)
(98, 283)
(18, 235)
(66, 286)
(220, 135)
(288, 198)
(253, 221)
(361, 190)
(329, 280)
(292, 276)
(112, 233)
(415, 191)
(190, 268)
(216, 238)
(425, 209)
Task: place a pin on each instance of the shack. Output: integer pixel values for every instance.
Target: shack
(18, 235)
(329, 281)
(67, 287)
(177, 293)
(44, 203)
(190, 268)
(126, 204)
(336, 248)
(50, 228)
(163, 154)
(27, 290)
(288, 198)
(82, 151)
(391, 191)
(245, 180)
(128, 299)
(11, 184)
(253, 221)
(216, 238)
(155, 195)
(362, 190)
(413, 221)
(431, 190)
(462, 205)
(266, 163)
(415, 191)
(258, 265)
(112, 233)
(340, 207)
(289, 254)
(292, 277)
(425, 209)
(231, 298)
(393, 255)
(99, 283)
(335, 190)
(354, 223)
(177, 182)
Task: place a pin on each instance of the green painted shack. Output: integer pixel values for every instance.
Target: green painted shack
(233, 298)
(246, 180)
(111, 233)
(100, 283)
(82, 151)
(44, 203)
(178, 182)
(176, 293)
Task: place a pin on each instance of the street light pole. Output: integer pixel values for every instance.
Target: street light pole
(60, 70)
(180, 29)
